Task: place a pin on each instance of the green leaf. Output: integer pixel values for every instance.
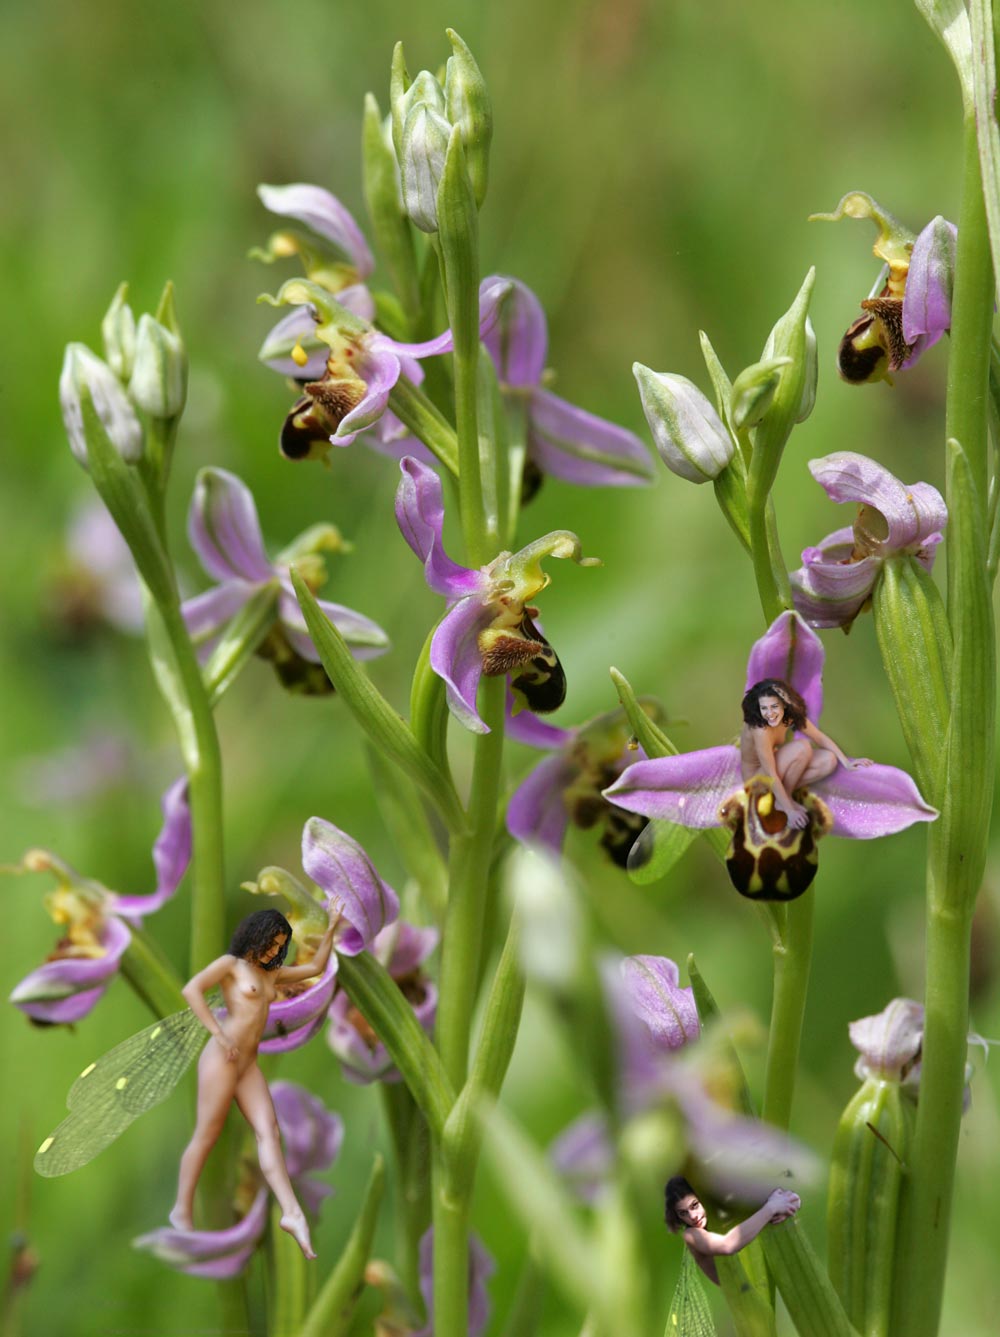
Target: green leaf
(380, 1001)
(804, 1285)
(333, 1313)
(369, 707)
(915, 642)
(390, 225)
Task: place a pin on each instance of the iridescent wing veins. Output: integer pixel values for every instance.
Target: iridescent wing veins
(124, 1083)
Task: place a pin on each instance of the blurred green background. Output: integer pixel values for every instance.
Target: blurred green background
(652, 171)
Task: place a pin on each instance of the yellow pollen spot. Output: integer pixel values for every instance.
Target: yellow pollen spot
(299, 355)
(765, 804)
(909, 497)
(45, 1146)
(121, 1083)
(88, 1069)
(156, 1032)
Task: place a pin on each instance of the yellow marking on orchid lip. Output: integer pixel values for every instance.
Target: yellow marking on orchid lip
(156, 1032)
(765, 804)
(45, 1146)
(121, 1083)
(88, 1069)
(299, 355)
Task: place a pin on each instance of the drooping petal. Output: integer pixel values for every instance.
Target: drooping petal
(312, 1134)
(206, 614)
(584, 1156)
(339, 865)
(171, 854)
(745, 1157)
(363, 1056)
(652, 986)
(913, 513)
(365, 637)
(224, 529)
(297, 328)
(929, 283)
(890, 1041)
(518, 342)
(455, 656)
(402, 947)
(831, 587)
(524, 726)
(420, 516)
(536, 813)
(872, 801)
(481, 1268)
(491, 294)
(379, 368)
(789, 650)
(686, 788)
(292, 1021)
(325, 214)
(581, 448)
(64, 990)
(188, 1250)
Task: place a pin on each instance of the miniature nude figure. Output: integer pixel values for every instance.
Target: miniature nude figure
(249, 976)
(770, 708)
(683, 1210)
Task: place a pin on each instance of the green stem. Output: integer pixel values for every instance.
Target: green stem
(289, 1296)
(451, 1258)
(469, 869)
(792, 962)
(333, 1313)
(957, 841)
(180, 681)
(410, 1144)
(760, 554)
(967, 416)
(151, 975)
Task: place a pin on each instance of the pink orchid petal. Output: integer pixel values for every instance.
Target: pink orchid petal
(325, 214)
(872, 801)
(687, 788)
(339, 865)
(581, 448)
(790, 651)
(912, 512)
(536, 813)
(224, 529)
(420, 516)
(518, 340)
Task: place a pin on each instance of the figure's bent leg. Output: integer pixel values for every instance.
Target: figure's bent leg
(821, 764)
(216, 1085)
(254, 1100)
(792, 761)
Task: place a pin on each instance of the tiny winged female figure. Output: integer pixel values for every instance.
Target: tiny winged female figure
(684, 1211)
(249, 975)
(770, 708)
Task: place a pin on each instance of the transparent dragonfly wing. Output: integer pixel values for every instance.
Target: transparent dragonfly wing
(689, 1314)
(124, 1083)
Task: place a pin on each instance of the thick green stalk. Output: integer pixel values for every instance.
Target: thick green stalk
(967, 412)
(179, 678)
(792, 962)
(410, 1143)
(469, 870)
(957, 841)
(760, 554)
(151, 975)
(333, 1313)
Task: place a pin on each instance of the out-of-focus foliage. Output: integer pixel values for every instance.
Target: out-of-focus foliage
(652, 170)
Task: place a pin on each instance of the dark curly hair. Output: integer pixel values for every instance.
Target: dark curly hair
(796, 710)
(676, 1189)
(255, 935)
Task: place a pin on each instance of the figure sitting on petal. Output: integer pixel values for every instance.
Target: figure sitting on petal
(770, 708)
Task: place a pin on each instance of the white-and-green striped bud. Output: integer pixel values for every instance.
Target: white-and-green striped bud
(118, 333)
(84, 374)
(159, 375)
(688, 432)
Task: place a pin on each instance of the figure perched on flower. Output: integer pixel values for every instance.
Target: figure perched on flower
(772, 854)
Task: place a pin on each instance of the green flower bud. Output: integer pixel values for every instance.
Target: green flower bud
(159, 377)
(118, 333)
(686, 428)
(424, 149)
(870, 1151)
(753, 391)
(84, 374)
(468, 106)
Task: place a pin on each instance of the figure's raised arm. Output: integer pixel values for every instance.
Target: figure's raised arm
(291, 974)
(194, 995)
(780, 1205)
(824, 740)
